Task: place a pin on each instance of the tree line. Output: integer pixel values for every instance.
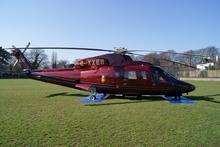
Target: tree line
(38, 60)
(188, 59)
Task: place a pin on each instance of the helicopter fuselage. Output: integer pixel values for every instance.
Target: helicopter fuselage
(120, 76)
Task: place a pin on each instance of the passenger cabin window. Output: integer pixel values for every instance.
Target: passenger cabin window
(144, 75)
(119, 74)
(130, 75)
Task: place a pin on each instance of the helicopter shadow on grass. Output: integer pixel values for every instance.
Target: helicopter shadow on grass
(130, 100)
(133, 99)
(208, 98)
(66, 94)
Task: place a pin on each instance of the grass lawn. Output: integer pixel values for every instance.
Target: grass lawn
(33, 113)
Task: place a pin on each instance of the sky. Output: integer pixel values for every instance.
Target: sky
(133, 24)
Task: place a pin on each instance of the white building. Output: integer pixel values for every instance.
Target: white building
(204, 66)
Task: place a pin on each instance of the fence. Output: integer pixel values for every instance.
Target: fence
(10, 75)
(200, 74)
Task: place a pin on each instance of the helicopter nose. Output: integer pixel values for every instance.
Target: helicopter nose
(191, 87)
(186, 87)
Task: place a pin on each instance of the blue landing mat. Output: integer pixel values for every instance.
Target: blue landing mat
(182, 100)
(99, 98)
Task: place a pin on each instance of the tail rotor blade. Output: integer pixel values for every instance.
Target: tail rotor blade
(26, 47)
(16, 62)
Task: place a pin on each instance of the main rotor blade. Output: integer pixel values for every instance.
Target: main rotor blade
(157, 51)
(67, 48)
(176, 62)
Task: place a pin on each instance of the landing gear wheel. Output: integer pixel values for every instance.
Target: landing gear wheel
(104, 95)
(93, 97)
(178, 94)
(139, 96)
(93, 93)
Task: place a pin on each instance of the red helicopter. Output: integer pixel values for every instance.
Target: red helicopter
(108, 74)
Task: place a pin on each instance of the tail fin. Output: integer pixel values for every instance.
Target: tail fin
(25, 64)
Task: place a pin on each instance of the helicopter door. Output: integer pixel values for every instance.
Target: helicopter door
(145, 78)
(131, 81)
(159, 85)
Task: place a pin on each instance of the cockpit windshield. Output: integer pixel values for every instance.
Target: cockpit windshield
(161, 75)
(169, 74)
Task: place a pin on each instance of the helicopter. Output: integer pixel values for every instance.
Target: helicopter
(108, 74)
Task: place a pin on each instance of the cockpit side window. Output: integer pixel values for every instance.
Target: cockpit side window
(161, 78)
(157, 76)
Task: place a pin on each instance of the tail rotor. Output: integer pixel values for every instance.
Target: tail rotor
(25, 64)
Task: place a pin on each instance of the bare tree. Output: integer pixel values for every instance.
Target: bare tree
(152, 58)
(4, 59)
(54, 60)
(37, 58)
(63, 64)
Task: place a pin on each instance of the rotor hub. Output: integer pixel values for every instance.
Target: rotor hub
(121, 50)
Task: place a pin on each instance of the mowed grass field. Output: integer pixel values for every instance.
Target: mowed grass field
(33, 113)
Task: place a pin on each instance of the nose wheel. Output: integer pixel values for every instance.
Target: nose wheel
(177, 97)
(178, 94)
